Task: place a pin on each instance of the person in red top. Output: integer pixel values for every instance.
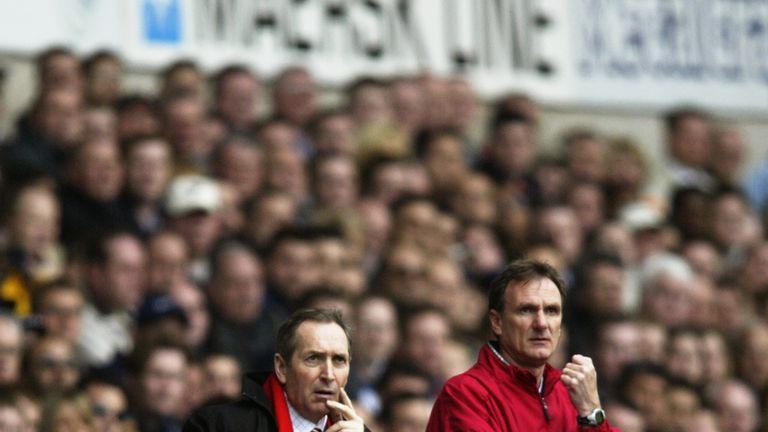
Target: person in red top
(511, 387)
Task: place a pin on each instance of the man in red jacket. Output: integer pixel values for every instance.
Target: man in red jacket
(511, 387)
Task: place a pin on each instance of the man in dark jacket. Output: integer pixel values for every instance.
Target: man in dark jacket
(511, 387)
(305, 393)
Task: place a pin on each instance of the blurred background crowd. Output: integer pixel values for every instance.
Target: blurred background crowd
(151, 244)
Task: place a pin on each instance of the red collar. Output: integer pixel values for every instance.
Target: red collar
(274, 391)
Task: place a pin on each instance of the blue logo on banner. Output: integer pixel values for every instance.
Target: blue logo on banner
(162, 21)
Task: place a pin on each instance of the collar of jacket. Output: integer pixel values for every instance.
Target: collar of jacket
(491, 358)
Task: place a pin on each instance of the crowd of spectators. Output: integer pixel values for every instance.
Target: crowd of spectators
(152, 244)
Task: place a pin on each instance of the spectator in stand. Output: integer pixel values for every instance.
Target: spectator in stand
(667, 291)
(114, 272)
(474, 200)
(442, 154)
(375, 340)
(192, 300)
(103, 72)
(407, 413)
(53, 367)
(148, 167)
(291, 268)
(59, 305)
(236, 93)
(109, 407)
(598, 295)
(168, 258)
(99, 123)
(33, 254)
(293, 96)
(727, 160)
(268, 214)
(222, 377)
(588, 202)
(137, 116)
(409, 105)
(585, 155)
(11, 419)
(239, 162)
(736, 407)
(242, 322)
(332, 131)
(689, 147)
(510, 154)
(58, 67)
(158, 377)
(11, 351)
(465, 107)
(643, 386)
(193, 205)
(183, 119)
(684, 356)
(52, 127)
(369, 102)
(90, 199)
(285, 172)
(182, 76)
(334, 180)
(618, 344)
(752, 354)
(627, 176)
(425, 334)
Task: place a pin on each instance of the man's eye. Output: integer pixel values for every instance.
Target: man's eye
(313, 358)
(340, 360)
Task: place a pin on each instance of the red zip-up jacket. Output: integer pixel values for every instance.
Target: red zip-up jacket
(495, 397)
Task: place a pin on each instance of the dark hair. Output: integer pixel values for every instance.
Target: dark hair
(44, 57)
(286, 336)
(99, 56)
(522, 271)
(503, 118)
(177, 66)
(228, 71)
(56, 285)
(673, 117)
(226, 245)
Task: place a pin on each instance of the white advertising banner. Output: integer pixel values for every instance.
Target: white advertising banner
(635, 53)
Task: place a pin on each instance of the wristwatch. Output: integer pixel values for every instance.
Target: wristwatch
(595, 418)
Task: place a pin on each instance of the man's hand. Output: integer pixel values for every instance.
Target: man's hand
(346, 419)
(580, 377)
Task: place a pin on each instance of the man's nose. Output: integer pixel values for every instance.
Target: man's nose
(327, 371)
(540, 320)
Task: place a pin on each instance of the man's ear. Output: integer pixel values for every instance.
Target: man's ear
(495, 319)
(280, 368)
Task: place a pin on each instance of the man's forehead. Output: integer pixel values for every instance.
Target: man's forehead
(539, 290)
(321, 337)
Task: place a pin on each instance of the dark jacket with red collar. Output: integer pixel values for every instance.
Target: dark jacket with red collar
(253, 412)
(495, 397)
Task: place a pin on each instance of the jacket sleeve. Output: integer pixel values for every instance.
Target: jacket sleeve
(196, 423)
(461, 408)
(605, 427)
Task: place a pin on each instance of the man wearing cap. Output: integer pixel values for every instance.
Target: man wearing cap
(193, 203)
(304, 393)
(511, 387)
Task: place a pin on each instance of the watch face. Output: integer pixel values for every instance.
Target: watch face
(599, 416)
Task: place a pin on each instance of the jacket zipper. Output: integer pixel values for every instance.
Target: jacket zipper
(546, 409)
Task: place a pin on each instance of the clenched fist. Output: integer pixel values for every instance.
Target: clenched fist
(580, 378)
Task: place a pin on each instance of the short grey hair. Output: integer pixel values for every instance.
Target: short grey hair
(665, 264)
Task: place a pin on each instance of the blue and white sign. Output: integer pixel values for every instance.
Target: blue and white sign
(634, 53)
(162, 21)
